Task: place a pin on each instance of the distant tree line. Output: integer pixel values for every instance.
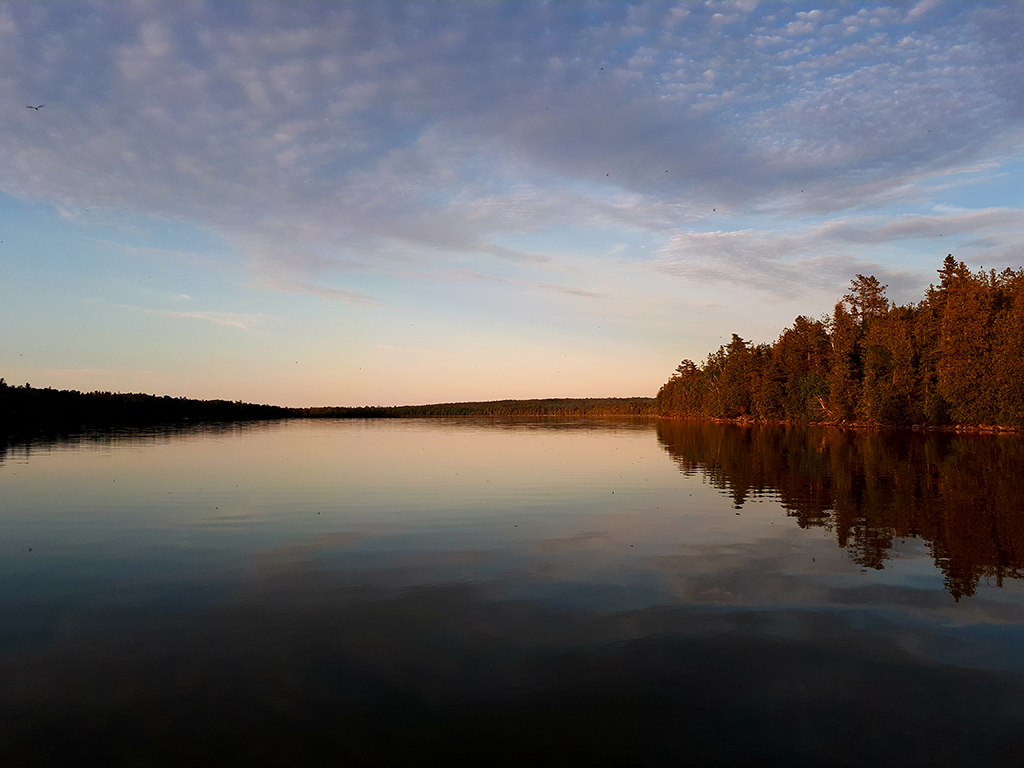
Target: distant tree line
(571, 407)
(25, 409)
(957, 357)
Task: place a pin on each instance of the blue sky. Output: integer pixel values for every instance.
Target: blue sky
(408, 202)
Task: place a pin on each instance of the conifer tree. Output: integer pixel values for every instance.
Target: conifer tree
(890, 382)
(844, 365)
(803, 354)
(734, 383)
(1008, 354)
(866, 299)
(769, 387)
(965, 348)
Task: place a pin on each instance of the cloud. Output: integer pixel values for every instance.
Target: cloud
(781, 265)
(167, 255)
(299, 286)
(312, 136)
(94, 372)
(874, 230)
(920, 9)
(468, 274)
(568, 291)
(231, 319)
(827, 255)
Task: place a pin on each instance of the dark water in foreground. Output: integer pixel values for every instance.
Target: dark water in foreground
(512, 592)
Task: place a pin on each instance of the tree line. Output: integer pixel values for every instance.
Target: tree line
(27, 410)
(565, 407)
(956, 357)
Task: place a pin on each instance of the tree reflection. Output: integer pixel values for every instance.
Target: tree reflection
(962, 494)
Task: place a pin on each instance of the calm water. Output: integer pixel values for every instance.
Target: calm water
(512, 592)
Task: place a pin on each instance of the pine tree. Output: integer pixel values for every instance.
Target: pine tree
(734, 384)
(844, 365)
(965, 346)
(768, 387)
(803, 352)
(866, 299)
(890, 383)
(1008, 354)
(683, 394)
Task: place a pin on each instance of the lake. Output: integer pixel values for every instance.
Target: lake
(598, 592)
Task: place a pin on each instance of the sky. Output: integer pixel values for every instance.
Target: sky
(359, 203)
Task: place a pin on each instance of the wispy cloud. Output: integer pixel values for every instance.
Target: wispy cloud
(231, 319)
(569, 291)
(94, 372)
(468, 274)
(758, 260)
(920, 9)
(165, 255)
(240, 320)
(875, 230)
(299, 286)
(826, 255)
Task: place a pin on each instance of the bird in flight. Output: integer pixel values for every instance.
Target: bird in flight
(29, 106)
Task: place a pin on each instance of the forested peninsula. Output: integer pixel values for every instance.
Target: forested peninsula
(954, 359)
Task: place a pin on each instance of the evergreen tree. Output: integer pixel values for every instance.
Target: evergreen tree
(927, 334)
(803, 352)
(866, 299)
(734, 382)
(890, 383)
(768, 385)
(965, 348)
(683, 394)
(844, 365)
(1008, 354)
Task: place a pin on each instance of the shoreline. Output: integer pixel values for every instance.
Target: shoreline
(969, 429)
(27, 412)
(84, 430)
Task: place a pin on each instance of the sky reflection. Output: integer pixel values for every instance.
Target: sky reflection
(378, 589)
(558, 511)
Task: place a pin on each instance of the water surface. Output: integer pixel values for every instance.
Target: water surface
(620, 592)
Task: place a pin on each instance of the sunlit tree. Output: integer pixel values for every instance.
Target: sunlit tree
(866, 299)
(844, 365)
